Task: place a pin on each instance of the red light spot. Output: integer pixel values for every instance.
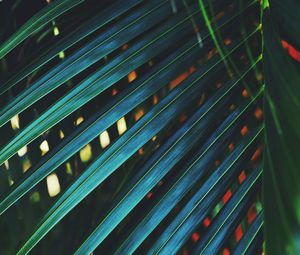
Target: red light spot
(114, 92)
(238, 233)
(206, 222)
(242, 177)
(251, 214)
(231, 147)
(195, 237)
(245, 93)
(174, 83)
(227, 196)
(256, 154)
(211, 53)
(293, 52)
(141, 151)
(149, 195)
(244, 130)
(258, 113)
(226, 252)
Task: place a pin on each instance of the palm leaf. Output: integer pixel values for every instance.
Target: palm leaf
(174, 91)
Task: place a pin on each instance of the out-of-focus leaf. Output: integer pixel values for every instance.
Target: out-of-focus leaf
(282, 139)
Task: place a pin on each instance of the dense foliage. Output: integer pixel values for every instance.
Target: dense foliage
(136, 126)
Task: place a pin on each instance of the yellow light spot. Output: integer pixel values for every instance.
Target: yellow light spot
(139, 113)
(122, 127)
(132, 76)
(86, 153)
(154, 138)
(22, 151)
(15, 122)
(61, 134)
(44, 146)
(79, 120)
(69, 168)
(53, 185)
(26, 165)
(56, 31)
(104, 139)
(10, 181)
(61, 55)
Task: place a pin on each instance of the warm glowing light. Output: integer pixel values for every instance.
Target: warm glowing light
(86, 153)
(15, 122)
(121, 124)
(79, 120)
(132, 76)
(258, 113)
(245, 93)
(141, 151)
(114, 92)
(104, 139)
(22, 151)
(53, 185)
(244, 130)
(61, 134)
(139, 114)
(6, 164)
(44, 146)
(155, 99)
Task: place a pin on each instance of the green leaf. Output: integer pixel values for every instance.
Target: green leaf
(37, 22)
(194, 170)
(87, 28)
(254, 232)
(106, 117)
(282, 139)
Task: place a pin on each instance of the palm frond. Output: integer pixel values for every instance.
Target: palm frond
(136, 124)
